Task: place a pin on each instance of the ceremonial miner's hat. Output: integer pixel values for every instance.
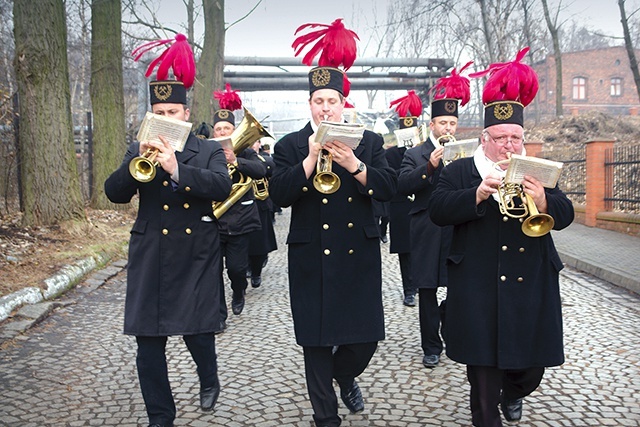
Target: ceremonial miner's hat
(409, 108)
(229, 101)
(510, 87)
(450, 92)
(337, 47)
(178, 56)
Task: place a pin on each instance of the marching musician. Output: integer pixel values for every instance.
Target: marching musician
(504, 317)
(336, 303)
(419, 174)
(174, 250)
(243, 216)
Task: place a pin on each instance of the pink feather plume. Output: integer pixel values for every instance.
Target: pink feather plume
(177, 56)
(510, 81)
(335, 44)
(408, 105)
(454, 86)
(228, 99)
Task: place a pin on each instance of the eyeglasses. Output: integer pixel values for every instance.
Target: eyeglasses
(504, 139)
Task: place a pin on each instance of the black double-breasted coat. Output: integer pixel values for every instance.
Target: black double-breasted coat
(174, 249)
(399, 219)
(333, 244)
(503, 299)
(429, 242)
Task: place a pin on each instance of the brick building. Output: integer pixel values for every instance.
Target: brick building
(592, 80)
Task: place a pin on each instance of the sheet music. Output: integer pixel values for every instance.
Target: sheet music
(175, 131)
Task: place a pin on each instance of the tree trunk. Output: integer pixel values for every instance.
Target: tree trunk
(211, 64)
(50, 183)
(557, 54)
(629, 45)
(107, 98)
(488, 35)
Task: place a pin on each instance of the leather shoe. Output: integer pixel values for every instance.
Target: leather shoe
(409, 300)
(431, 360)
(209, 397)
(511, 409)
(237, 304)
(256, 282)
(352, 398)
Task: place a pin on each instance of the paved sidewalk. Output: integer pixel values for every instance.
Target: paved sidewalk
(76, 368)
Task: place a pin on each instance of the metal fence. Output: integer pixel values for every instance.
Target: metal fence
(622, 175)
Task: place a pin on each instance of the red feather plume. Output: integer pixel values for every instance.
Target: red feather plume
(408, 105)
(228, 99)
(347, 104)
(177, 56)
(510, 81)
(335, 43)
(454, 86)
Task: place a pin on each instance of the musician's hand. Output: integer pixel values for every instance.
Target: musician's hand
(309, 163)
(230, 155)
(535, 189)
(342, 155)
(166, 157)
(144, 146)
(487, 187)
(436, 156)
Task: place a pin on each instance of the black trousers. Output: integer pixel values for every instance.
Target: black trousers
(153, 373)
(255, 264)
(486, 384)
(429, 321)
(405, 273)
(322, 365)
(235, 253)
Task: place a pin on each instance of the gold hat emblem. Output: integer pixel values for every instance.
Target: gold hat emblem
(450, 106)
(162, 92)
(320, 77)
(408, 122)
(223, 114)
(503, 111)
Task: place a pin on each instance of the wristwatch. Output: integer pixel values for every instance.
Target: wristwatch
(360, 169)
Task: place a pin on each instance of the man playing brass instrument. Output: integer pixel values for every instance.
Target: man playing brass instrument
(504, 318)
(243, 216)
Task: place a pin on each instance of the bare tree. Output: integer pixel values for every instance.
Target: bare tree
(633, 63)
(50, 187)
(553, 26)
(109, 139)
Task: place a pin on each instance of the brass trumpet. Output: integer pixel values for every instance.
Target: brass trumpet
(536, 224)
(325, 181)
(443, 140)
(143, 167)
(248, 131)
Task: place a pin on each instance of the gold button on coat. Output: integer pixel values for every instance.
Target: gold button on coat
(520, 279)
(305, 189)
(165, 231)
(350, 199)
(165, 183)
(327, 251)
(325, 201)
(188, 231)
(370, 192)
(325, 226)
(350, 225)
(503, 278)
(350, 251)
(505, 218)
(424, 177)
(521, 249)
(187, 188)
(186, 205)
(165, 207)
(504, 248)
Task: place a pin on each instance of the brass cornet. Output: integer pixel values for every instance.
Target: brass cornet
(536, 224)
(143, 167)
(325, 181)
(446, 139)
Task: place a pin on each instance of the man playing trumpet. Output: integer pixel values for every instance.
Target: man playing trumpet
(504, 318)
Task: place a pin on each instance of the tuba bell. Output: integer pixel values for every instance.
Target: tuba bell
(248, 131)
(325, 181)
(536, 224)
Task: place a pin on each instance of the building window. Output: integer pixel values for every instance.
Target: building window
(616, 86)
(579, 88)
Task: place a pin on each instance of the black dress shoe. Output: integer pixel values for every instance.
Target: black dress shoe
(256, 282)
(237, 304)
(431, 360)
(511, 409)
(409, 300)
(209, 397)
(352, 398)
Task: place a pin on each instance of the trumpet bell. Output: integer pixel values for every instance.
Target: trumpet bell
(142, 169)
(326, 182)
(538, 225)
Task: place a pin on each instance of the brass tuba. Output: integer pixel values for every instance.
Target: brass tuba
(325, 181)
(143, 167)
(536, 224)
(248, 131)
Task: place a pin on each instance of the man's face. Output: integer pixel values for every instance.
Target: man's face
(176, 111)
(500, 141)
(326, 104)
(443, 125)
(222, 128)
